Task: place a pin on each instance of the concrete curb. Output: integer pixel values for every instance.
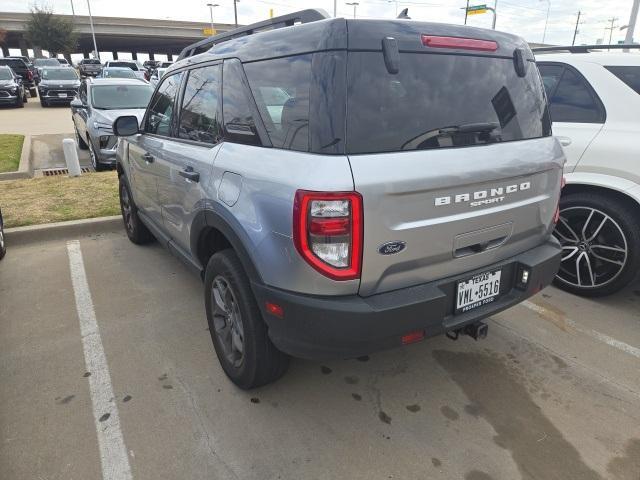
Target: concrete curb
(62, 230)
(24, 167)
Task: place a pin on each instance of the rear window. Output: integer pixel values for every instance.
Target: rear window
(629, 75)
(132, 66)
(13, 62)
(90, 61)
(439, 101)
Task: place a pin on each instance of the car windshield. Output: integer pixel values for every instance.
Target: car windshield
(5, 74)
(59, 74)
(629, 75)
(130, 65)
(46, 62)
(118, 73)
(115, 97)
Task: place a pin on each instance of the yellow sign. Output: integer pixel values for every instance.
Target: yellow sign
(209, 31)
(476, 12)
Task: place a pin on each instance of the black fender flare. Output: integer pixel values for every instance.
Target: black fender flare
(215, 216)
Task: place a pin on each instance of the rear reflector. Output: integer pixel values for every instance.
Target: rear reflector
(413, 337)
(275, 309)
(460, 43)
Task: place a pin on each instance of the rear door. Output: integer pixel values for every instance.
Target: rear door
(185, 167)
(577, 113)
(454, 159)
(146, 150)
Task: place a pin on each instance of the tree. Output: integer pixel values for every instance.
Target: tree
(50, 32)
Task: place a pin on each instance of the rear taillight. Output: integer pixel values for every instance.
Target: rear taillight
(327, 232)
(459, 42)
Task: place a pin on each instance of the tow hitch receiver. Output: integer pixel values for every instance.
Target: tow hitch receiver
(477, 330)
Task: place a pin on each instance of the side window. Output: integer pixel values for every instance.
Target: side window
(281, 90)
(199, 115)
(239, 124)
(160, 111)
(573, 101)
(550, 77)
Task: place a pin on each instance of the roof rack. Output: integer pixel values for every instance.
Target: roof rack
(583, 48)
(303, 16)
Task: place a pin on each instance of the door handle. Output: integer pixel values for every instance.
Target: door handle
(190, 174)
(148, 158)
(564, 141)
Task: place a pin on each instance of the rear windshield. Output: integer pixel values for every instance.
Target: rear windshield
(118, 73)
(629, 75)
(132, 66)
(13, 62)
(116, 97)
(439, 101)
(46, 62)
(59, 74)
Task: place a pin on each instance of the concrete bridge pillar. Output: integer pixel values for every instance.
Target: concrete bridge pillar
(134, 55)
(85, 54)
(115, 55)
(169, 57)
(37, 52)
(5, 51)
(23, 47)
(151, 57)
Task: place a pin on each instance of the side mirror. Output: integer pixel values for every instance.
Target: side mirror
(126, 125)
(76, 103)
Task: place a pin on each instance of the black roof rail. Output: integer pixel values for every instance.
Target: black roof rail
(583, 48)
(303, 16)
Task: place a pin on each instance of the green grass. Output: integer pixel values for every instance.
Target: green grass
(33, 201)
(10, 151)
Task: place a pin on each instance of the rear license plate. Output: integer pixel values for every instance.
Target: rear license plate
(477, 291)
(62, 95)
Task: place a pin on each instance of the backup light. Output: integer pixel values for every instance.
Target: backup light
(462, 43)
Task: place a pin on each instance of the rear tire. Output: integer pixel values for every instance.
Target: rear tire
(19, 102)
(3, 246)
(611, 257)
(137, 231)
(232, 310)
(33, 92)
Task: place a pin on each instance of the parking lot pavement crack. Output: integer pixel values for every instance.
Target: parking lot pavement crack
(201, 422)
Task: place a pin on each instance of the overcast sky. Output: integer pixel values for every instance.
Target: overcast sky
(523, 17)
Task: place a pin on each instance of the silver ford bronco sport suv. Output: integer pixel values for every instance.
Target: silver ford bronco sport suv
(346, 186)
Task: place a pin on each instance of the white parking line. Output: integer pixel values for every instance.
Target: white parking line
(113, 453)
(625, 347)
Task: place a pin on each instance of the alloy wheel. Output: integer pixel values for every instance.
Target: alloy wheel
(92, 154)
(227, 321)
(594, 247)
(125, 203)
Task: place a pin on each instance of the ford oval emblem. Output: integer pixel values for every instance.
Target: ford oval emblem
(390, 248)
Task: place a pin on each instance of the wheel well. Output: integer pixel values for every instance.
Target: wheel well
(211, 240)
(621, 197)
(119, 169)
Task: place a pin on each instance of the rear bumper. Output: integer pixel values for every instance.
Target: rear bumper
(317, 327)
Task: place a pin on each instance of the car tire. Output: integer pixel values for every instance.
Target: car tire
(82, 145)
(33, 92)
(24, 96)
(137, 231)
(3, 246)
(43, 103)
(93, 156)
(19, 101)
(239, 334)
(606, 263)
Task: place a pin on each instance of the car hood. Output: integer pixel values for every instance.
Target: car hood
(8, 84)
(60, 83)
(109, 116)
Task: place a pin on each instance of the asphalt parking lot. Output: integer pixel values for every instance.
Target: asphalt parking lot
(552, 393)
(35, 120)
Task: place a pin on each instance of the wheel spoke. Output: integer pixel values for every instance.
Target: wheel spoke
(597, 231)
(586, 224)
(605, 259)
(219, 294)
(565, 224)
(572, 251)
(608, 247)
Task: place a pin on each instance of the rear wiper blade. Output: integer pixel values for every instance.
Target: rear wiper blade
(470, 128)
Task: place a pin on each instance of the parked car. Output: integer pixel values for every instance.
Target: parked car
(89, 67)
(20, 68)
(63, 62)
(12, 91)
(3, 246)
(594, 99)
(320, 233)
(99, 102)
(117, 72)
(39, 63)
(29, 63)
(58, 85)
(156, 76)
(131, 64)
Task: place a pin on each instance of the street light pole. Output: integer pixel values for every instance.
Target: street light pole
(73, 11)
(235, 11)
(544, 34)
(354, 4)
(631, 26)
(93, 32)
(335, 8)
(495, 13)
(211, 7)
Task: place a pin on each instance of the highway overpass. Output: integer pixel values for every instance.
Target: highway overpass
(116, 34)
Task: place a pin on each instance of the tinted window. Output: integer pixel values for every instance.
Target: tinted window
(90, 61)
(116, 97)
(281, 90)
(46, 62)
(13, 63)
(199, 117)
(130, 65)
(629, 75)
(59, 74)
(161, 107)
(437, 101)
(550, 77)
(239, 124)
(573, 101)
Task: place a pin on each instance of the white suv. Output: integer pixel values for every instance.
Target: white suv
(594, 100)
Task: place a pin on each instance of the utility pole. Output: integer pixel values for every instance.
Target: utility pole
(73, 11)
(495, 13)
(575, 31)
(211, 7)
(466, 13)
(93, 32)
(235, 11)
(335, 8)
(354, 5)
(546, 22)
(611, 20)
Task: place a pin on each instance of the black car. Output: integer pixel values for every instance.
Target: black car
(12, 91)
(29, 63)
(58, 85)
(21, 68)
